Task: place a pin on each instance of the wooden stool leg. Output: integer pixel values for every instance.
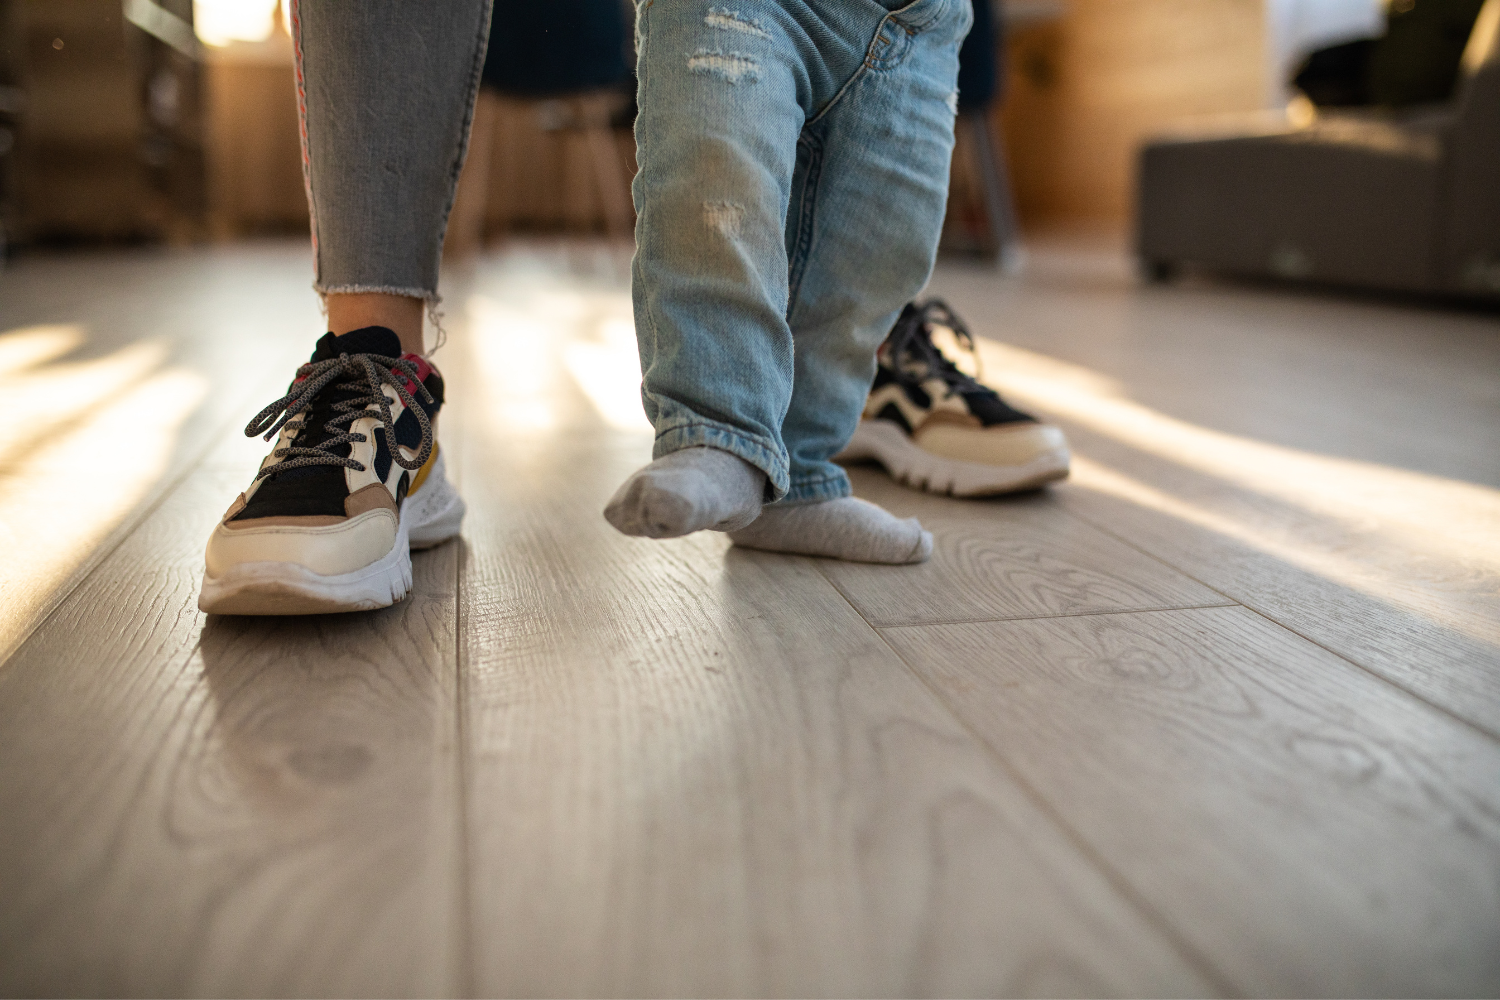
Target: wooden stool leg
(466, 221)
(999, 203)
(609, 172)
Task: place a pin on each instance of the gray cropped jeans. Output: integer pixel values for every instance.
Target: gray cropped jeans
(385, 94)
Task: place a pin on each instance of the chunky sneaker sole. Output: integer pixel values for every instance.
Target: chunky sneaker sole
(908, 463)
(429, 516)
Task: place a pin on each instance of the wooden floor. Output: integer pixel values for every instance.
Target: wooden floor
(1219, 715)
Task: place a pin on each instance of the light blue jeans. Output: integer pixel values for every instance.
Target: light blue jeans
(793, 175)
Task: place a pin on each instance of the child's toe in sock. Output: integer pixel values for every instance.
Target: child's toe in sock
(688, 491)
(847, 528)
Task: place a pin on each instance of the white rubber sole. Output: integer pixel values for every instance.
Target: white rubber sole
(884, 442)
(428, 518)
(436, 511)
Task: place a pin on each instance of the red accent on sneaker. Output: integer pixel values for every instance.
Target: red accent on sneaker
(424, 369)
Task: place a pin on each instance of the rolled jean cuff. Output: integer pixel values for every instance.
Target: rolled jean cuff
(817, 490)
(701, 433)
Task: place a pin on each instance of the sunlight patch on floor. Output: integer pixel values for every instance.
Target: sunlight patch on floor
(1367, 526)
(99, 435)
(607, 370)
(535, 342)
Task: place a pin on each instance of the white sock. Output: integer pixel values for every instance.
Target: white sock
(687, 491)
(847, 528)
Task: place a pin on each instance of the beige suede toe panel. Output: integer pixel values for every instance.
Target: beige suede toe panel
(1004, 445)
(328, 550)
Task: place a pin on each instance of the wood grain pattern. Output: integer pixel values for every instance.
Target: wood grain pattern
(1333, 463)
(161, 356)
(1435, 632)
(195, 806)
(1309, 828)
(696, 770)
(1022, 557)
(215, 806)
(578, 763)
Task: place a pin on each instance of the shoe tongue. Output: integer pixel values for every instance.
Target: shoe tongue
(369, 340)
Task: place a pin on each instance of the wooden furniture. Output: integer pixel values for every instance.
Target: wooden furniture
(254, 149)
(547, 163)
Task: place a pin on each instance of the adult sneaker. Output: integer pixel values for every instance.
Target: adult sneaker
(936, 428)
(355, 482)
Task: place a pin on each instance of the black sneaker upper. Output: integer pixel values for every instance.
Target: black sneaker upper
(908, 358)
(309, 480)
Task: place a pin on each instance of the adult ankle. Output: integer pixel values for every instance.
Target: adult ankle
(401, 314)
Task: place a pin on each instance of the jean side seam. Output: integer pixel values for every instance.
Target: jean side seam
(301, 78)
(802, 247)
(476, 76)
(642, 75)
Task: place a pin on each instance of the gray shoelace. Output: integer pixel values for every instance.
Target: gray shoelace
(367, 371)
(916, 358)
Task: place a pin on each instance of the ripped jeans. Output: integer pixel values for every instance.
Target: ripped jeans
(793, 176)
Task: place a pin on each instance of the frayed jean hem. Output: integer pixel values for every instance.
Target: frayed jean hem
(817, 490)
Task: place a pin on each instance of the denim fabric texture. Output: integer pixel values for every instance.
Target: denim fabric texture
(793, 176)
(385, 89)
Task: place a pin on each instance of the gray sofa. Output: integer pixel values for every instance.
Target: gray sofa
(1407, 201)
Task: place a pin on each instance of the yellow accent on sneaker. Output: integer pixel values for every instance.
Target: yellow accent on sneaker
(421, 476)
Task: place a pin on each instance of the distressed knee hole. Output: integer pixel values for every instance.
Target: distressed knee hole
(728, 20)
(953, 102)
(733, 67)
(725, 216)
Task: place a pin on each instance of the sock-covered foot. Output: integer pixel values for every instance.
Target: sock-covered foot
(847, 528)
(688, 491)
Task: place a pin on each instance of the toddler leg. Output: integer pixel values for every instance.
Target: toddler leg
(716, 141)
(871, 186)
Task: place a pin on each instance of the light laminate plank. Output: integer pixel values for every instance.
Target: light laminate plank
(1021, 557)
(127, 366)
(696, 770)
(1310, 829)
(1427, 621)
(699, 772)
(1329, 460)
(216, 806)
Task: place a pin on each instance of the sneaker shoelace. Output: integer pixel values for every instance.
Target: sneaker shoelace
(366, 372)
(914, 358)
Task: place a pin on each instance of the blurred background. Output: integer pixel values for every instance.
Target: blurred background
(175, 121)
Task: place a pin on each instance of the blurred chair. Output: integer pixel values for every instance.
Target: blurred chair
(566, 60)
(979, 165)
(1405, 200)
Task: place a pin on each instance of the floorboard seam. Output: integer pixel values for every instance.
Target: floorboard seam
(1185, 949)
(1071, 614)
(1415, 695)
(465, 975)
